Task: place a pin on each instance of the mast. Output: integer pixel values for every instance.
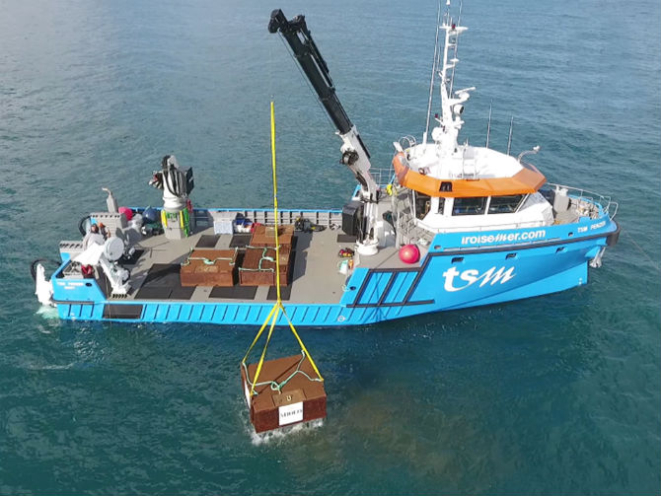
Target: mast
(509, 138)
(433, 74)
(451, 102)
(488, 128)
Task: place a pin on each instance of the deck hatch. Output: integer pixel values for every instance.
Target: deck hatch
(240, 241)
(164, 283)
(207, 241)
(234, 292)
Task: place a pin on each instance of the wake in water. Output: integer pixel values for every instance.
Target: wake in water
(48, 313)
(284, 433)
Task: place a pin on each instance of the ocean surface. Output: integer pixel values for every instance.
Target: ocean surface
(558, 395)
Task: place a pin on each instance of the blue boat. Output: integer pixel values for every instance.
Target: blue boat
(447, 226)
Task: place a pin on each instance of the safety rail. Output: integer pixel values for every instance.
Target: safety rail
(586, 198)
(382, 177)
(408, 231)
(327, 218)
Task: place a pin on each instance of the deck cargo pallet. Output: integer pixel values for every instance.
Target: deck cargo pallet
(209, 268)
(299, 400)
(258, 268)
(264, 236)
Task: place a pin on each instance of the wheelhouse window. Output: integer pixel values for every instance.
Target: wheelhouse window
(507, 204)
(469, 206)
(422, 205)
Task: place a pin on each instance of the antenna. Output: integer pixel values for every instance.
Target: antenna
(488, 127)
(433, 71)
(509, 140)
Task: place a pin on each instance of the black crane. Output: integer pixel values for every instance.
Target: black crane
(354, 152)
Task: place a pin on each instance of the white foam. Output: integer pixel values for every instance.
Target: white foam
(48, 312)
(49, 367)
(277, 435)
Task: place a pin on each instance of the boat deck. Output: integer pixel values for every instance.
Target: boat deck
(315, 274)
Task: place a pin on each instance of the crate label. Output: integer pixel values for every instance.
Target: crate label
(289, 414)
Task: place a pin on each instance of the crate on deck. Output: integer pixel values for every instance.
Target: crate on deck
(299, 400)
(258, 267)
(209, 268)
(264, 236)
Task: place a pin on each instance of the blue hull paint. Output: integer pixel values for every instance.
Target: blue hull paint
(447, 279)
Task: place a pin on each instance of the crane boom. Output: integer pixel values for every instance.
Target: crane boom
(313, 64)
(354, 152)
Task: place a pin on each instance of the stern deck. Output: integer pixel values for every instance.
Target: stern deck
(315, 274)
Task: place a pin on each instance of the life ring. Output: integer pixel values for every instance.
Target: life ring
(87, 271)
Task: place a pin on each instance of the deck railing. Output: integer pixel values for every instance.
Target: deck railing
(324, 217)
(382, 176)
(586, 198)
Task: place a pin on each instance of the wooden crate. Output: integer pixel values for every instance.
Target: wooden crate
(250, 273)
(265, 236)
(300, 400)
(195, 272)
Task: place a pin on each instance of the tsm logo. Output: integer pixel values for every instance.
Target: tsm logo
(471, 276)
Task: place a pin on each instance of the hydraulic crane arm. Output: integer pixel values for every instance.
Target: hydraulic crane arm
(313, 64)
(354, 152)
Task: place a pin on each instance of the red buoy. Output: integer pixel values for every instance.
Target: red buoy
(409, 254)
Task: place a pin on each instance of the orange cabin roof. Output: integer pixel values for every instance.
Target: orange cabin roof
(523, 182)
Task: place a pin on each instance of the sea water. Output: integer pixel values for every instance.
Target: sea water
(553, 395)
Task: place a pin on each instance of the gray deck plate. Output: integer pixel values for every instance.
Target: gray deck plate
(285, 293)
(207, 241)
(234, 292)
(239, 241)
(315, 275)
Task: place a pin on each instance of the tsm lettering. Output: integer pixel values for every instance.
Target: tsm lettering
(471, 276)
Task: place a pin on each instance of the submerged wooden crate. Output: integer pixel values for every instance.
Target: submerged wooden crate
(257, 268)
(300, 400)
(265, 236)
(209, 268)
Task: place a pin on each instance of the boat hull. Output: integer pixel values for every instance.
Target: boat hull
(445, 280)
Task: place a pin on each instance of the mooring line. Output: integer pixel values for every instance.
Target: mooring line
(649, 259)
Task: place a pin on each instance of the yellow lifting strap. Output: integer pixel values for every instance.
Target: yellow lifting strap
(278, 306)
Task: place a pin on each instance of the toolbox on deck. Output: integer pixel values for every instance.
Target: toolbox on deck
(209, 268)
(258, 267)
(300, 399)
